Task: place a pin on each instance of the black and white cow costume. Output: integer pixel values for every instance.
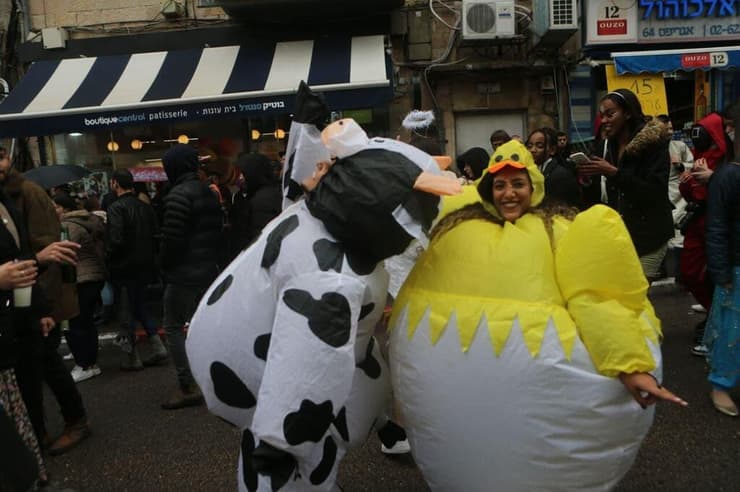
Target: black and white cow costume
(281, 344)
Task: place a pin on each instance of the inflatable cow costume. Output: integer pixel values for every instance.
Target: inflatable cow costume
(281, 344)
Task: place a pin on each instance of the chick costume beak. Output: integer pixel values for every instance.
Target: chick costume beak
(511, 154)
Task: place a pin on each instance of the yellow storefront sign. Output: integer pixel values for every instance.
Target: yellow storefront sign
(649, 88)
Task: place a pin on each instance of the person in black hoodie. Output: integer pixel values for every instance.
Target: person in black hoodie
(256, 204)
(191, 236)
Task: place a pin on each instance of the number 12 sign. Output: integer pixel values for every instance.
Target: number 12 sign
(648, 87)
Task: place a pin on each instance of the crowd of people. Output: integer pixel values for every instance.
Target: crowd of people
(679, 206)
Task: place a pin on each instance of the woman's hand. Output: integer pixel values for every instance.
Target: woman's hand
(595, 166)
(701, 172)
(14, 274)
(47, 324)
(645, 389)
(59, 252)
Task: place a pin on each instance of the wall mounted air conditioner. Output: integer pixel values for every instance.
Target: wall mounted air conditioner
(488, 20)
(554, 21)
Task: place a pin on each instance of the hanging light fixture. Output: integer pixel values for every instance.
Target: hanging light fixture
(113, 146)
(279, 134)
(256, 134)
(183, 139)
(137, 144)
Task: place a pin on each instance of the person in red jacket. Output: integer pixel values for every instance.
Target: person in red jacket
(711, 148)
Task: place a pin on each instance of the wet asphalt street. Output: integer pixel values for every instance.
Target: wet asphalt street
(136, 446)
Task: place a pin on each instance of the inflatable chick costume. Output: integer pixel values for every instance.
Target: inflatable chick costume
(504, 359)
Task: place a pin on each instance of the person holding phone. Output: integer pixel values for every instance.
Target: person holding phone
(633, 169)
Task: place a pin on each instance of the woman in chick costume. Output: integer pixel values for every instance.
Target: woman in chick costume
(523, 365)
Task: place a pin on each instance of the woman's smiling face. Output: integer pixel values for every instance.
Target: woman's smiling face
(512, 193)
(613, 118)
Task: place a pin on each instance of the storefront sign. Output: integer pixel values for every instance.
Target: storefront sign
(649, 89)
(661, 21)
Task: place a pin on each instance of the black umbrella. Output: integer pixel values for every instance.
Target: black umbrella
(56, 175)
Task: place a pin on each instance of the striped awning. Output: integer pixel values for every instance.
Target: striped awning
(90, 94)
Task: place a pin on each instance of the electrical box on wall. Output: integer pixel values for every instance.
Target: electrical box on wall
(488, 20)
(54, 38)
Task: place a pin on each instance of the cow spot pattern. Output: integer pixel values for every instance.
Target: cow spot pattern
(370, 366)
(340, 423)
(323, 470)
(366, 309)
(274, 463)
(261, 346)
(249, 474)
(329, 255)
(309, 423)
(220, 290)
(275, 240)
(329, 318)
(229, 388)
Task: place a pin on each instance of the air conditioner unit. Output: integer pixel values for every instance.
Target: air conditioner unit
(554, 21)
(488, 20)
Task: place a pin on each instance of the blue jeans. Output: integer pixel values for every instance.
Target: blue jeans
(133, 309)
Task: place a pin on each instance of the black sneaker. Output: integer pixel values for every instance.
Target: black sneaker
(393, 439)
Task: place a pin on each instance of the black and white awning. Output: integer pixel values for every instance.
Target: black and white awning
(89, 94)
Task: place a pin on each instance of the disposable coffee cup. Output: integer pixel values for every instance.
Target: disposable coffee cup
(22, 296)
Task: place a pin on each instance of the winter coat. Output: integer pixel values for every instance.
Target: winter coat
(723, 223)
(88, 230)
(639, 189)
(43, 226)
(257, 204)
(130, 239)
(561, 184)
(192, 223)
(693, 261)
(16, 322)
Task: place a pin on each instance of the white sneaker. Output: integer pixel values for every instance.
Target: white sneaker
(698, 308)
(700, 350)
(400, 447)
(79, 374)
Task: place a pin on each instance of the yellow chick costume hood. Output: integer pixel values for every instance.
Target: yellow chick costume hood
(504, 358)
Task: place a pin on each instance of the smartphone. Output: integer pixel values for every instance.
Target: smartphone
(580, 158)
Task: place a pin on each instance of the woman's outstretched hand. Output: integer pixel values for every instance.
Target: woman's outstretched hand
(645, 389)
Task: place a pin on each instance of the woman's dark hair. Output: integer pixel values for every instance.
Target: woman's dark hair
(477, 158)
(124, 178)
(551, 136)
(628, 102)
(65, 201)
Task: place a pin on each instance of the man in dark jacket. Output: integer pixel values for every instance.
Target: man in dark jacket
(191, 238)
(130, 256)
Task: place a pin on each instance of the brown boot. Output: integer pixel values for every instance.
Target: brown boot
(73, 435)
(184, 397)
